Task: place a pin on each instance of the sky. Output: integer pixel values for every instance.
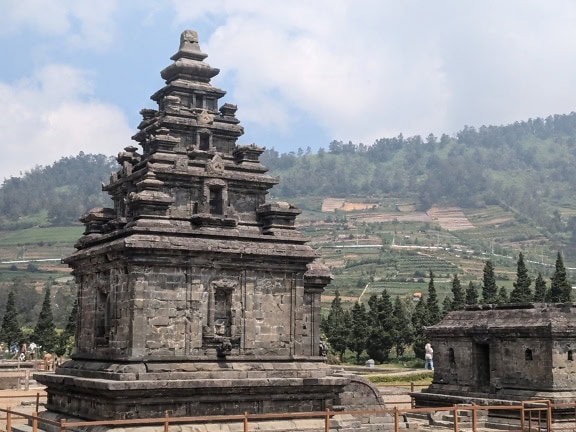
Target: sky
(76, 73)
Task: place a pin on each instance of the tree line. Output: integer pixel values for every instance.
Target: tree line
(382, 324)
(487, 165)
(44, 334)
(525, 167)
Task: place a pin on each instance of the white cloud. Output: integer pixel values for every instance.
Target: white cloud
(51, 115)
(83, 23)
(368, 69)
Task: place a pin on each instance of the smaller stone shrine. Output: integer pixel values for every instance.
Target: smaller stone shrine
(496, 354)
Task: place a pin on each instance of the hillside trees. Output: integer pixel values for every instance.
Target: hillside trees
(66, 189)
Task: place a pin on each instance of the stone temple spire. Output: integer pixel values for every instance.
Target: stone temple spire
(189, 61)
(196, 295)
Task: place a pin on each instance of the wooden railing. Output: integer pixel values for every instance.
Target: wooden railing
(530, 416)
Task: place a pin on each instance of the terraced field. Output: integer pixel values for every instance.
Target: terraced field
(446, 241)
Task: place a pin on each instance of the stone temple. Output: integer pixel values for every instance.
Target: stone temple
(196, 296)
(495, 354)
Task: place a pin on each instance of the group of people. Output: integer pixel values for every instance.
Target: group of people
(23, 352)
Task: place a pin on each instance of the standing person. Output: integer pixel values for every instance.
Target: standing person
(33, 347)
(428, 357)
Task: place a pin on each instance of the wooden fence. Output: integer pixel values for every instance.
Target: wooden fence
(20, 377)
(530, 416)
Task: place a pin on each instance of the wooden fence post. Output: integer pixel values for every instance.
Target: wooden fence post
(327, 421)
(474, 417)
(396, 419)
(549, 420)
(34, 422)
(37, 402)
(62, 425)
(166, 421)
(455, 418)
(245, 421)
(27, 380)
(9, 419)
(522, 415)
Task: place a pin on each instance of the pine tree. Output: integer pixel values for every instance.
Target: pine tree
(336, 326)
(539, 289)
(381, 337)
(471, 294)
(502, 296)
(560, 288)
(446, 306)
(458, 299)
(521, 292)
(10, 331)
(70, 329)
(66, 338)
(403, 331)
(489, 288)
(419, 321)
(45, 330)
(433, 315)
(359, 331)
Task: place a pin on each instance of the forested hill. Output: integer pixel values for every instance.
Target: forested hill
(56, 194)
(528, 167)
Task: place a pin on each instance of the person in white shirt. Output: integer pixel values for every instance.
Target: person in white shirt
(428, 357)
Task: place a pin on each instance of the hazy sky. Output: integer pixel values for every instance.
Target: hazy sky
(75, 73)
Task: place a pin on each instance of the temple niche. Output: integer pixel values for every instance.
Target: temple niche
(196, 296)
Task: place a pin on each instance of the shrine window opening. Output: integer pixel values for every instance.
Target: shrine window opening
(528, 354)
(570, 356)
(204, 141)
(199, 101)
(216, 200)
(103, 318)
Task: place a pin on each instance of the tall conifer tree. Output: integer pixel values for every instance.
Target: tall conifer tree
(10, 331)
(337, 326)
(403, 330)
(540, 289)
(489, 288)
(521, 292)
(471, 294)
(432, 305)
(359, 331)
(560, 288)
(458, 299)
(45, 330)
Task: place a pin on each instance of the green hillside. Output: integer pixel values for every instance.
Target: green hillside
(381, 216)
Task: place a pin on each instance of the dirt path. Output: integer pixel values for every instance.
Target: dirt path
(21, 401)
